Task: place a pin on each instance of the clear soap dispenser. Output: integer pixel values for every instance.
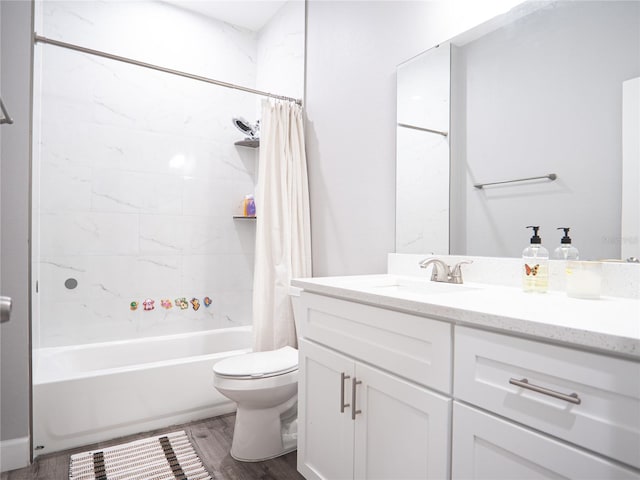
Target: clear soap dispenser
(535, 273)
(565, 251)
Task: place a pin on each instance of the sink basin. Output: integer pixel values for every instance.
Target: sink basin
(420, 287)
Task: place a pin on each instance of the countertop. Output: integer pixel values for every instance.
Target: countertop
(608, 324)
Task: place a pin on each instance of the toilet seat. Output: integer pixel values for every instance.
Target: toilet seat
(258, 364)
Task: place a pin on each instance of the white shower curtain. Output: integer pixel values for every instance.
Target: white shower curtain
(283, 235)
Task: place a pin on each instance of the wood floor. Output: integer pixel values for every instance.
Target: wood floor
(211, 438)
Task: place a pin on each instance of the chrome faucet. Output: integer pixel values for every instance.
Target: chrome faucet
(442, 272)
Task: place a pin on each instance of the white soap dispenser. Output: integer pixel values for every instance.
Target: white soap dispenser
(535, 273)
(565, 251)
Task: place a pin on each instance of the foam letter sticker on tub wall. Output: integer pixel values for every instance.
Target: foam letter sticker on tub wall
(207, 302)
(148, 304)
(196, 303)
(166, 303)
(182, 303)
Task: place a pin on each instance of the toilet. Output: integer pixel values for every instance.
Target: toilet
(265, 387)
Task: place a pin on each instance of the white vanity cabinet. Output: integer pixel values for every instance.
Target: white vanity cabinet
(390, 395)
(361, 419)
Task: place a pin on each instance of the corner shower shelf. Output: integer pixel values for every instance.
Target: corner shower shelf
(248, 143)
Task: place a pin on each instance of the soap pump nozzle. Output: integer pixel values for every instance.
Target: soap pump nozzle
(535, 239)
(565, 250)
(566, 238)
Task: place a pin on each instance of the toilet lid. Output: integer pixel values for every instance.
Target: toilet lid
(259, 364)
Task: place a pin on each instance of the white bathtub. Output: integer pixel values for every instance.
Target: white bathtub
(90, 393)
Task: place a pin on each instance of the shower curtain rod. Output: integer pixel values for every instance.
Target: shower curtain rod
(71, 46)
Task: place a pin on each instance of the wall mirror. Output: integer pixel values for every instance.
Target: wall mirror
(547, 88)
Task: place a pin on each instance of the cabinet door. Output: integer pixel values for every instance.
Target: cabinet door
(325, 434)
(488, 447)
(402, 431)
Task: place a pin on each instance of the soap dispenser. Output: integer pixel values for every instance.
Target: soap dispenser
(535, 274)
(565, 251)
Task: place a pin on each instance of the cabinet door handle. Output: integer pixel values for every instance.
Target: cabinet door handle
(524, 383)
(354, 412)
(343, 405)
(5, 309)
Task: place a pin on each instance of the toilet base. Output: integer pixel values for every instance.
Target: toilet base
(265, 433)
(283, 452)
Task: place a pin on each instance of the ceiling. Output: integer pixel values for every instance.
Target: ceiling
(250, 14)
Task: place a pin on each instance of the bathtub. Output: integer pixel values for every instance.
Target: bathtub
(84, 394)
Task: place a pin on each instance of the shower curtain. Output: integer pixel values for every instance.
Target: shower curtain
(283, 235)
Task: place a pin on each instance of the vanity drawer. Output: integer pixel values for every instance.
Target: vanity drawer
(604, 416)
(413, 347)
(486, 447)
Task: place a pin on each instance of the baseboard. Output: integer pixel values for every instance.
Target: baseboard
(14, 453)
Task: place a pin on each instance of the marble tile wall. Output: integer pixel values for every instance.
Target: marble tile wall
(281, 51)
(422, 158)
(136, 175)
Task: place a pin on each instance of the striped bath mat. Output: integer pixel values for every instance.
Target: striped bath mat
(167, 457)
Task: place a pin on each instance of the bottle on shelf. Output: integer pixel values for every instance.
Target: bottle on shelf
(249, 206)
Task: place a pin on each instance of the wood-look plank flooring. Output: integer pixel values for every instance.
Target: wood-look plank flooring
(211, 439)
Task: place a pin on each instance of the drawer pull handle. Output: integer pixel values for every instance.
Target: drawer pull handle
(354, 412)
(524, 383)
(343, 405)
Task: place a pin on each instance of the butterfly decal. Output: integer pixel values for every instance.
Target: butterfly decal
(531, 271)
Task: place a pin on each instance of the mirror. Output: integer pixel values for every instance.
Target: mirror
(536, 91)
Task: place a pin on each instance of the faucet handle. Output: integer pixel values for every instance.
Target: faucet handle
(456, 271)
(463, 262)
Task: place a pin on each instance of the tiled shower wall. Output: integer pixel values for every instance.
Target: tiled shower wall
(422, 158)
(136, 175)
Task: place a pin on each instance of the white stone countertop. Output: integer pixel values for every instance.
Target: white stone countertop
(608, 324)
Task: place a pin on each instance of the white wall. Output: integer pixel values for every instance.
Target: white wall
(280, 58)
(14, 227)
(353, 49)
(138, 174)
